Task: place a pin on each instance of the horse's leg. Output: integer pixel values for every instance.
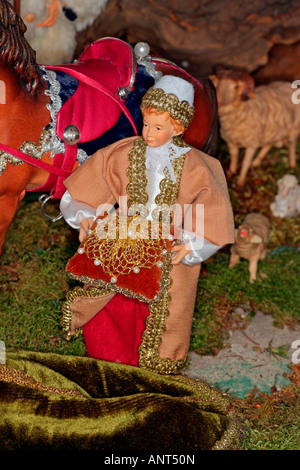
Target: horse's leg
(13, 184)
(9, 205)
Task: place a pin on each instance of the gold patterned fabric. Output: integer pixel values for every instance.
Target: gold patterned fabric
(55, 402)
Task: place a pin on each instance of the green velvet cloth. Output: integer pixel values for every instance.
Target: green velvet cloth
(114, 407)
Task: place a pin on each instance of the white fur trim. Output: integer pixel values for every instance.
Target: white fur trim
(178, 86)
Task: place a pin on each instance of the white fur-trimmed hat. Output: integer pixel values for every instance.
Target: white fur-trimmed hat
(173, 95)
(178, 86)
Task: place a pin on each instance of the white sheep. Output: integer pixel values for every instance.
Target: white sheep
(255, 118)
(287, 200)
(51, 32)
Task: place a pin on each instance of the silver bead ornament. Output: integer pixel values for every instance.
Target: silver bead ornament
(96, 262)
(113, 280)
(136, 270)
(80, 251)
(71, 135)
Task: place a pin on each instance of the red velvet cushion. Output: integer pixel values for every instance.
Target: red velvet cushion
(144, 285)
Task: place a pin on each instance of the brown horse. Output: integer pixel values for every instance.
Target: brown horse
(25, 111)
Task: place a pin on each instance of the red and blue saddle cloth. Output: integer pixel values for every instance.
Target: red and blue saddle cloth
(90, 111)
(90, 101)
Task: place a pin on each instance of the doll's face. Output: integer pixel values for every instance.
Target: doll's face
(158, 129)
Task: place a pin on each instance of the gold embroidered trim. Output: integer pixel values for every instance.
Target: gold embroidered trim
(232, 436)
(155, 327)
(168, 102)
(67, 314)
(137, 186)
(122, 244)
(136, 173)
(158, 307)
(11, 375)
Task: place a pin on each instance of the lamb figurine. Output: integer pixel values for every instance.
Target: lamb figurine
(287, 200)
(52, 26)
(255, 119)
(251, 239)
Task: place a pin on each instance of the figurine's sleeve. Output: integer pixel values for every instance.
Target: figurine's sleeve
(74, 211)
(207, 223)
(201, 249)
(96, 186)
(88, 183)
(99, 179)
(86, 190)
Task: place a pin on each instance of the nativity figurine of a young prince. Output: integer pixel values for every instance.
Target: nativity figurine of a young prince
(149, 210)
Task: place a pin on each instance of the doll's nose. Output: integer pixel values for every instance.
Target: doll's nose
(146, 133)
(150, 132)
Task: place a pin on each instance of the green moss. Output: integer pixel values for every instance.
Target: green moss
(33, 283)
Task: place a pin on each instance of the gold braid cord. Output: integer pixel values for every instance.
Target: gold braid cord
(67, 314)
(210, 393)
(11, 375)
(158, 307)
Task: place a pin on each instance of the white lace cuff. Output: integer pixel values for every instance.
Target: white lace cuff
(201, 249)
(74, 211)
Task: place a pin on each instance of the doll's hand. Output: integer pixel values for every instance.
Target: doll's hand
(179, 252)
(84, 227)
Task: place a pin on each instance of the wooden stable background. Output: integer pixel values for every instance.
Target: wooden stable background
(261, 36)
